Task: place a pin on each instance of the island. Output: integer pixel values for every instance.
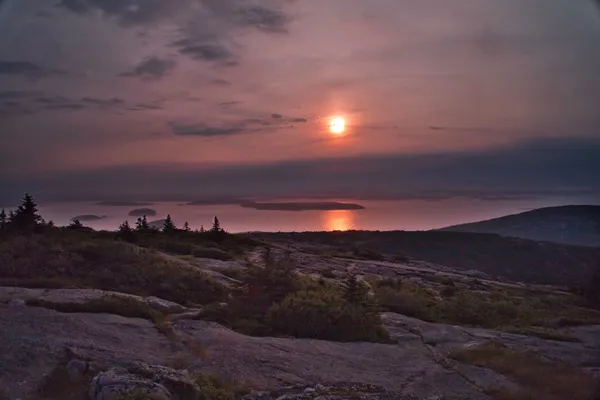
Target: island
(303, 206)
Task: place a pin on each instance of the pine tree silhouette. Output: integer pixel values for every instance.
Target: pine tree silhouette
(3, 218)
(216, 228)
(202, 230)
(142, 224)
(186, 226)
(168, 225)
(26, 218)
(76, 224)
(125, 232)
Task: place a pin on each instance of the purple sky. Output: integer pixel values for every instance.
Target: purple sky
(186, 98)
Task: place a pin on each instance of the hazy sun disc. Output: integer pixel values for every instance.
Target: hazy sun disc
(337, 126)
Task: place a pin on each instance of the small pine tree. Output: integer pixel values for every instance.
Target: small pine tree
(354, 291)
(142, 225)
(125, 232)
(26, 218)
(3, 218)
(216, 228)
(168, 225)
(202, 230)
(76, 224)
(186, 227)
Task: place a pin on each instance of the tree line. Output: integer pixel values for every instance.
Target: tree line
(27, 219)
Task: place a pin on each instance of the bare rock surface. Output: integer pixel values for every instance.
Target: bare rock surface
(443, 337)
(151, 382)
(406, 368)
(66, 296)
(33, 340)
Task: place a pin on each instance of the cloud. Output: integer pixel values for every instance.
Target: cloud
(103, 102)
(27, 69)
(126, 12)
(277, 116)
(256, 121)
(298, 120)
(220, 82)
(16, 94)
(264, 19)
(203, 51)
(228, 103)
(204, 130)
(51, 99)
(157, 105)
(72, 106)
(151, 68)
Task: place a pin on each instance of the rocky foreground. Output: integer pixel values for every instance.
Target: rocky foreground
(52, 354)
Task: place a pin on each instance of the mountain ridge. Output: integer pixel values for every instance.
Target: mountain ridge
(569, 224)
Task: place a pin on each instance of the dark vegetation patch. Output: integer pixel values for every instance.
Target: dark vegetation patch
(274, 301)
(534, 314)
(539, 379)
(86, 260)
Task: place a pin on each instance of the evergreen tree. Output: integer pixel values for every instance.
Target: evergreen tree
(186, 227)
(125, 227)
(125, 232)
(216, 228)
(168, 225)
(3, 218)
(355, 292)
(76, 224)
(26, 218)
(202, 230)
(142, 224)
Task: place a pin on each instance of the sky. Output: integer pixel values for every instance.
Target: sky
(182, 99)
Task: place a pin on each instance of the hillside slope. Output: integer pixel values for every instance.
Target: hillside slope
(513, 258)
(579, 225)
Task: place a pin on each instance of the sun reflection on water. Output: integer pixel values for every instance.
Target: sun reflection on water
(338, 220)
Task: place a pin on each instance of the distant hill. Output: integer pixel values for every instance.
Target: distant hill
(513, 258)
(578, 225)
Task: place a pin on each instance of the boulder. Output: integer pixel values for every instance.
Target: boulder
(151, 381)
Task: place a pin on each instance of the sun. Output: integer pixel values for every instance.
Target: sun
(337, 126)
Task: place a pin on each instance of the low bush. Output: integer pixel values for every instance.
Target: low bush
(410, 300)
(325, 315)
(274, 300)
(213, 387)
(211, 252)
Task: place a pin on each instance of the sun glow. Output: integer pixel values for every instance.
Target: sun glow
(338, 220)
(337, 126)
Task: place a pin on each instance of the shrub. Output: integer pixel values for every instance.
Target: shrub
(413, 304)
(325, 315)
(328, 273)
(210, 252)
(213, 387)
(368, 254)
